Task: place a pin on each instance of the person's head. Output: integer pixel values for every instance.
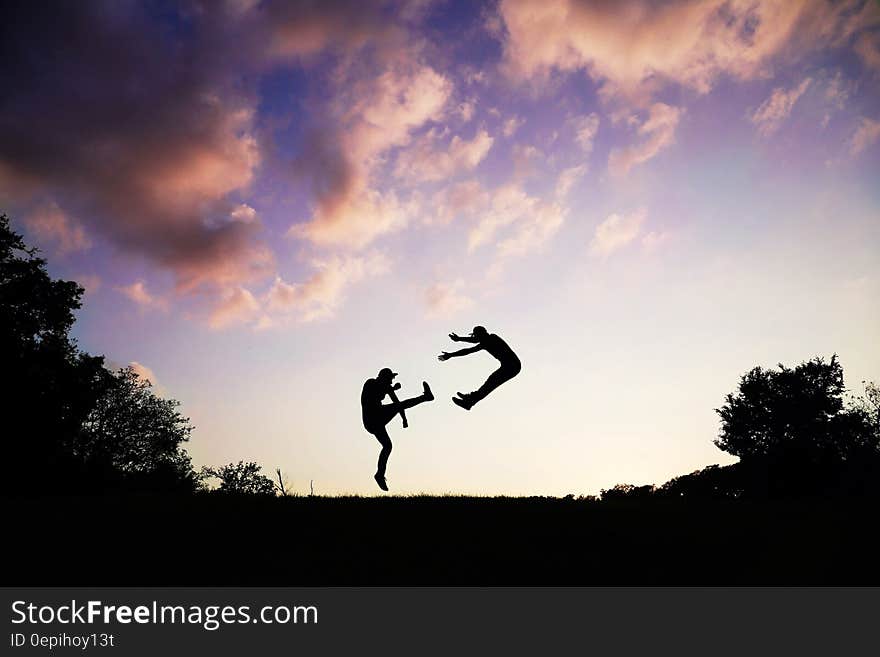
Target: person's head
(480, 332)
(386, 376)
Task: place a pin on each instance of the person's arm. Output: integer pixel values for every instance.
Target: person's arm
(446, 355)
(459, 338)
(396, 401)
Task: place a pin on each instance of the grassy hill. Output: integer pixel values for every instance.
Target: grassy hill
(218, 540)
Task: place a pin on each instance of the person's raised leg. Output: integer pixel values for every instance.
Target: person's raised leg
(426, 396)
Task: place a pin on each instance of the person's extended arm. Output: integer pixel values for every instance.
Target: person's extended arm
(461, 352)
(462, 338)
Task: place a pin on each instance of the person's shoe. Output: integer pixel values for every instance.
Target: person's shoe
(381, 481)
(466, 405)
(429, 396)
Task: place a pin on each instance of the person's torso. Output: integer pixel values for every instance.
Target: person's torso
(498, 348)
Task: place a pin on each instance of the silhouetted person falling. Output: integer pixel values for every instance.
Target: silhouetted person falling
(510, 365)
(376, 414)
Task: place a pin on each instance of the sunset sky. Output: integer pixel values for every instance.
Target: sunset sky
(267, 202)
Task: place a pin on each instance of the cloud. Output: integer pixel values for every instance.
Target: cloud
(427, 161)
(138, 293)
(446, 299)
(654, 241)
(773, 111)
(146, 374)
(91, 283)
(507, 205)
(585, 129)
(143, 371)
(865, 135)
(631, 48)
(322, 293)
(466, 110)
(525, 157)
(141, 133)
(511, 125)
(616, 232)
(527, 222)
(306, 29)
(237, 305)
(567, 179)
(244, 213)
(658, 132)
(533, 230)
(50, 224)
(466, 197)
(373, 116)
(868, 49)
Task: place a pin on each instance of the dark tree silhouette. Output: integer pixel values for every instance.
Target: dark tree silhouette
(796, 415)
(241, 479)
(51, 386)
(626, 492)
(712, 482)
(138, 435)
(68, 422)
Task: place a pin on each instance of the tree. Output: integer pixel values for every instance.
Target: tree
(795, 415)
(50, 385)
(241, 479)
(137, 434)
(69, 423)
(626, 492)
(795, 435)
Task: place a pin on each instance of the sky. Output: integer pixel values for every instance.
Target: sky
(267, 202)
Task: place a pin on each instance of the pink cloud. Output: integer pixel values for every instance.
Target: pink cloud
(567, 179)
(50, 224)
(512, 125)
(868, 48)
(506, 205)
(865, 135)
(138, 293)
(376, 115)
(237, 305)
(426, 160)
(773, 111)
(143, 372)
(466, 110)
(533, 230)
(147, 374)
(460, 198)
(585, 129)
(141, 135)
(91, 283)
(323, 292)
(616, 232)
(658, 132)
(632, 47)
(446, 299)
(527, 223)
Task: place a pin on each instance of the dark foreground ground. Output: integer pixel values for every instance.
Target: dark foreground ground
(211, 540)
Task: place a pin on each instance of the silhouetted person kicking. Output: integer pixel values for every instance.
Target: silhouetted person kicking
(376, 414)
(510, 365)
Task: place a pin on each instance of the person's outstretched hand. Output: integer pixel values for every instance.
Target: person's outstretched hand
(454, 337)
(444, 356)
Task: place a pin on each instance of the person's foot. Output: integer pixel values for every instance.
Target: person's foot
(380, 479)
(466, 405)
(429, 396)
